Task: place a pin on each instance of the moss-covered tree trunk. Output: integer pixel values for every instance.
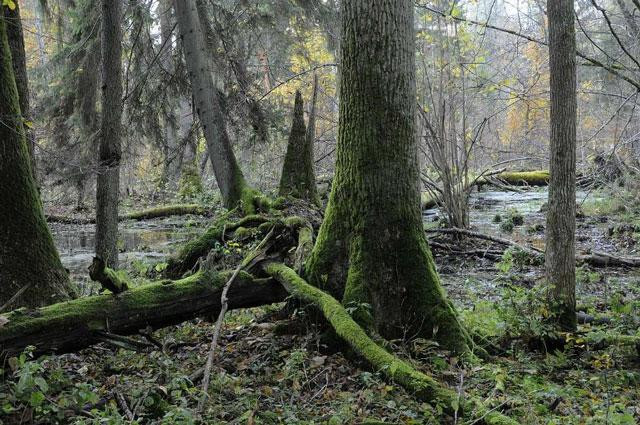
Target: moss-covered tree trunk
(225, 167)
(19, 60)
(371, 249)
(561, 216)
(108, 182)
(298, 178)
(27, 253)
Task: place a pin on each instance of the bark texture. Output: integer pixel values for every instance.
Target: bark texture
(27, 253)
(561, 224)
(225, 167)
(18, 58)
(110, 150)
(371, 250)
(298, 179)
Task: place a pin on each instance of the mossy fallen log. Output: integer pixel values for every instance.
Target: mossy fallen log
(76, 324)
(190, 252)
(395, 369)
(146, 214)
(167, 211)
(519, 178)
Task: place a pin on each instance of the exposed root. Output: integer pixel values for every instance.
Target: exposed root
(421, 385)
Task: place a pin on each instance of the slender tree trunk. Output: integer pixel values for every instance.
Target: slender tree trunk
(108, 181)
(371, 249)
(225, 167)
(171, 145)
(88, 81)
(18, 57)
(561, 225)
(28, 256)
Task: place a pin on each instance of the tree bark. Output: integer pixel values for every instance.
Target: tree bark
(18, 58)
(298, 178)
(110, 150)
(225, 167)
(371, 250)
(28, 256)
(79, 323)
(561, 225)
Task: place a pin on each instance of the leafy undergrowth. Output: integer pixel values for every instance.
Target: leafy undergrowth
(261, 376)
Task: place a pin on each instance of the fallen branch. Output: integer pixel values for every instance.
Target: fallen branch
(224, 302)
(452, 230)
(595, 259)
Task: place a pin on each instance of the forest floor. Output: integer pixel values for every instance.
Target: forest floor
(273, 370)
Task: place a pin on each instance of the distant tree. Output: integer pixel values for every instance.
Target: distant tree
(298, 178)
(29, 261)
(231, 181)
(108, 181)
(371, 250)
(561, 216)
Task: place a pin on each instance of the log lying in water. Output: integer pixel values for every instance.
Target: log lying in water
(520, 178)
(147, 214)
(76, 324)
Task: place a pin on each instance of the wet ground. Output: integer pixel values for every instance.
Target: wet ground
(142, 241)
(465, 278)
(468, 279)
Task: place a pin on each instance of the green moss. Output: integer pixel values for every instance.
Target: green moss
(525, 178)
(190, 184)
(166, 211)
(397, 370)
(188, 255)
(95, 310)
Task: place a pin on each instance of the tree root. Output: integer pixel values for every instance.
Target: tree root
(421, 385)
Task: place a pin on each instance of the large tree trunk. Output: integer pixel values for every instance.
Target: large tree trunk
(80, 323)
(18, 58)
(225, 167)
(561, 221)
(28, 256)
(108, 182)
(371, 248)
(298, 179)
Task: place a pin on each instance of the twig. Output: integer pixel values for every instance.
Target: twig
(224, 306)
(123, 405)
(15, 297)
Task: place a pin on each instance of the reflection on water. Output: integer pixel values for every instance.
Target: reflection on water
(150, 240)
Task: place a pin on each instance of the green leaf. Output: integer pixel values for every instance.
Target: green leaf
(9, 3)
(36, 399)
(42, 384)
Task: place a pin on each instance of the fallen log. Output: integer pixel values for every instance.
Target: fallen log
(520, 178)
(190, 252)
(147, 214)
(595, 258)
(76, 324)
(603, 259)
